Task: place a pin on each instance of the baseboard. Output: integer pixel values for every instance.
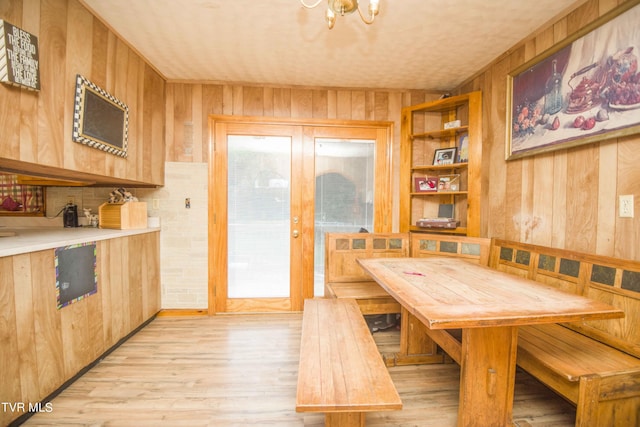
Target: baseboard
(182, 312)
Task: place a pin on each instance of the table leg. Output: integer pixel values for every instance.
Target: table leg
(416, 347)
(487, 377)
(344, 419)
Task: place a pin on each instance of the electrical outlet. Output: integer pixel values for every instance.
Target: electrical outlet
(156, 204)
(71, 200)
(626, 206)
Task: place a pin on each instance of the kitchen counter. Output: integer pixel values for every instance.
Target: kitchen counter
(31, 239)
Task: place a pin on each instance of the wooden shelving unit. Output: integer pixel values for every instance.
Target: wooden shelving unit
(422, 132)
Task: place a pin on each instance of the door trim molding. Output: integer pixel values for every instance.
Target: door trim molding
(384, 194)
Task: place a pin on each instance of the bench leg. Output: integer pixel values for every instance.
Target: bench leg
(344, 419)
(587, 406)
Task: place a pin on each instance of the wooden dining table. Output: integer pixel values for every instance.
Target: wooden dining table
(447, 293)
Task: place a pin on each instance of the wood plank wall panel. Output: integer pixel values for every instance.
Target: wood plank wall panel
(79, 28)
(41, 347)
(36, 127)
(153, 125)
(135, 286)
(105, 286)
(25, 328)
(117, 271)
(52, 44)
(9, 363)
(149, 275)
(566, 198)
(48, 327)
(28, 136)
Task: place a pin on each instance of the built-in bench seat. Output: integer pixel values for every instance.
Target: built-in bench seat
(595, 364)
(344, 278)
(341, 372)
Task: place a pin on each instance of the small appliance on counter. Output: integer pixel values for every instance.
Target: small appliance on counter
(70, 216)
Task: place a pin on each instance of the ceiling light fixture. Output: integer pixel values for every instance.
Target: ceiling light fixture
(345, 7)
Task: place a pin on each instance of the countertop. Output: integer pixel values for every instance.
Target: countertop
(31, 239)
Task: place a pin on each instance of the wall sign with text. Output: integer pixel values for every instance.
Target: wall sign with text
(19, 61)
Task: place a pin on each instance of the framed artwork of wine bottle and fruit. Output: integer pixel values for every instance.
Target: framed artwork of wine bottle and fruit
(583, 90)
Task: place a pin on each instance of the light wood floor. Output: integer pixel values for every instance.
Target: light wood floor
(239, 370)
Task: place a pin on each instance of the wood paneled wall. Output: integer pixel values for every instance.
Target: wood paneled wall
(42, 347)
(188, 106)
(568, 198)
(36, 127)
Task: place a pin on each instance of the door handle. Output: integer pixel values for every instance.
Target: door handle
(296, 233)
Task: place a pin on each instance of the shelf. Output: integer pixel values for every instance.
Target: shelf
(442, 133)
(440, 193)
(442, 105)
(421, 135)
(458, 230)
(439, 167)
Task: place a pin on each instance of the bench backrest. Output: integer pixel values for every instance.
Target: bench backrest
(472, 248)
(342, 250)
(611, 280)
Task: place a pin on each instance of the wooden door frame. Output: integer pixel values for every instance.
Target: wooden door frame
(311, 129)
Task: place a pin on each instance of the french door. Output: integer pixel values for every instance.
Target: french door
(267, 182)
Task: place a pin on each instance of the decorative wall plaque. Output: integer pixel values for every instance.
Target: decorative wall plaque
(19, 61)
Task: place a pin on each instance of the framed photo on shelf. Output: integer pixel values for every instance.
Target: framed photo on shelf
(444, 156)
(449, 183)
(425, 184)
(463, 148)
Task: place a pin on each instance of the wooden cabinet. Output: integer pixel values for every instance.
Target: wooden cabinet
(36, 127)
(432, 177)
(42, 346)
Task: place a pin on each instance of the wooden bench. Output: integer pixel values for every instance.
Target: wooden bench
(596, 364)
(344, 278)
(341, 372)
(474, 249)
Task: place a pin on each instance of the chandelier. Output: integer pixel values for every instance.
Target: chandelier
(345, 7)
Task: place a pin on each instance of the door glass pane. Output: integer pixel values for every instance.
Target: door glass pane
(344, 193)
(259, 171)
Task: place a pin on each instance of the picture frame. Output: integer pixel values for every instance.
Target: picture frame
(19, 57)
(449, 183)
(444, 156)
(99, 119)
(463, 148)
(584, 90)
(425, 184)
